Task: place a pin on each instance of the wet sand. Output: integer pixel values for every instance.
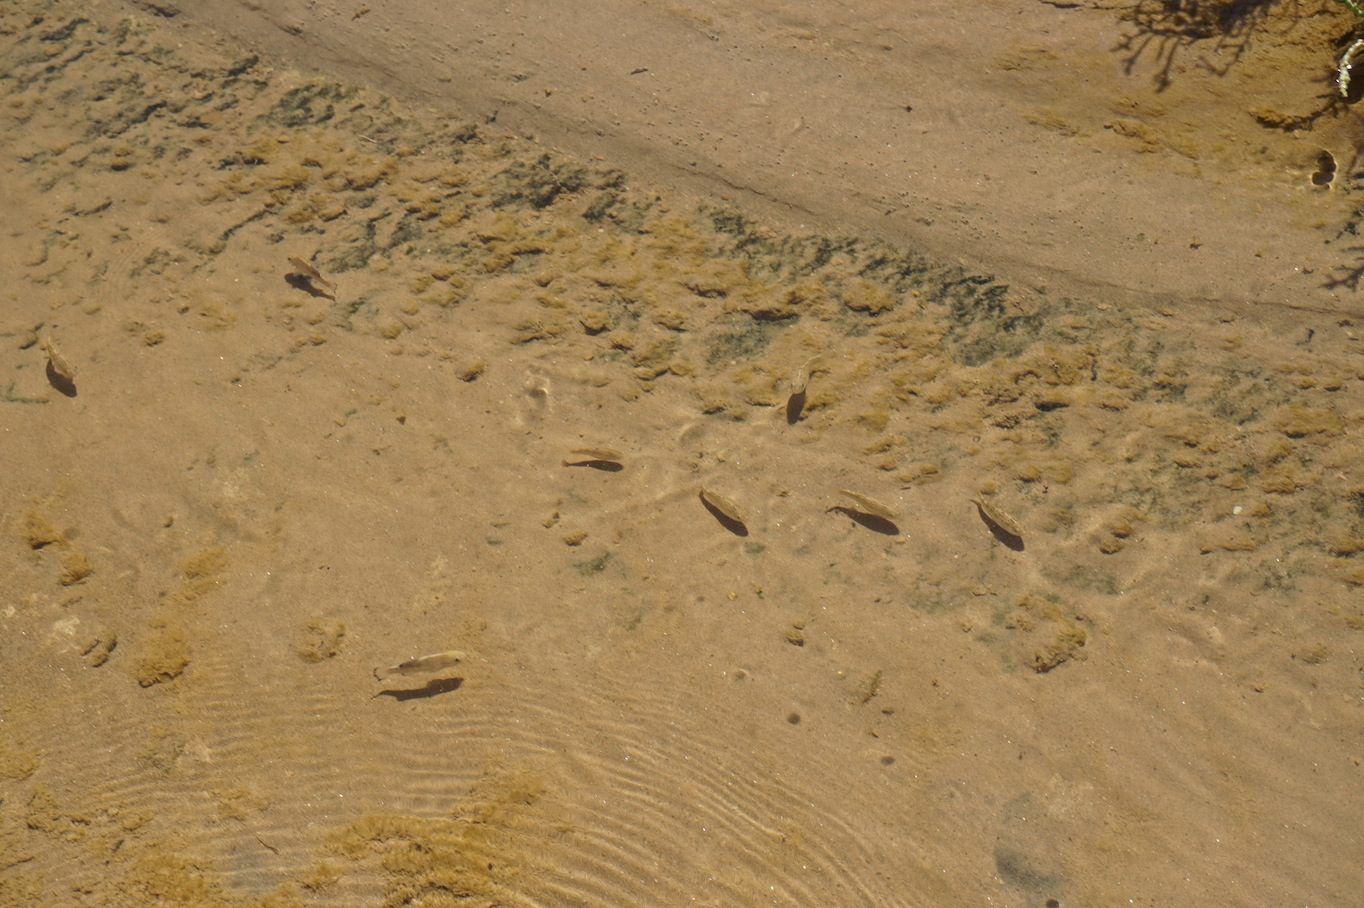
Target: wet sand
(1132, 673)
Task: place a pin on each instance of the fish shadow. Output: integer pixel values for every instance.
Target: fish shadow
(606, 466)
(734, 526)
(1006, 539)
(302, 282)
(870, 521)
(795, 404)
(432, 688)
(60, 382)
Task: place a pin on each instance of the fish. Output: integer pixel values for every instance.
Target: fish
(998, 519)
(723, 505)
(586, 457)
(312, 274)
(795, 403)
(60, 367)
(869, 506)
(801, 380)
(422, 665)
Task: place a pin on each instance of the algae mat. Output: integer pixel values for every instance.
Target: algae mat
(1131, 672)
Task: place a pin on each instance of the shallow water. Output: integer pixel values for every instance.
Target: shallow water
(257, 493)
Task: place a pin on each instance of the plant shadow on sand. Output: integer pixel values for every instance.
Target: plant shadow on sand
(1225, 31)
(1164, 29)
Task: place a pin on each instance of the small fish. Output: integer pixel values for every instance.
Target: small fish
(60, 367)
(720, 503)
(312, 274)
(586, 457)
(422, 665)
(998, 519)
(869, 506)
(801, 380)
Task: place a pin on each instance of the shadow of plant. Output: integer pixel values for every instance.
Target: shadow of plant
(1163, 29)
(1347, 276)
(1350, 274)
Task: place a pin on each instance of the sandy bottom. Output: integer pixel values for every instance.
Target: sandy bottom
(232, 490)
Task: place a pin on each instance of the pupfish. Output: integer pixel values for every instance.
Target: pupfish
(998, 519)
(801, 380)
(586, 457)
(60, 367)
(422, 665)
(869, 506)
(312, 274)
(723, 505)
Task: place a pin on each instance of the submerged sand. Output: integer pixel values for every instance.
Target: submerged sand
(1131, 674)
